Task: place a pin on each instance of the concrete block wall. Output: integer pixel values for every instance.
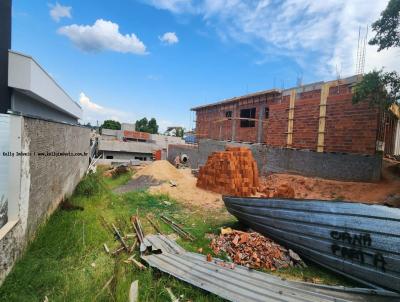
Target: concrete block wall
(350, 128)
(328, 165)
(192, 151)
(53, 177)
(41, 181)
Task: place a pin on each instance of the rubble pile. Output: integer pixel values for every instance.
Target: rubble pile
(232, 172)
(255, 250)
(281, 191)
(116, 171)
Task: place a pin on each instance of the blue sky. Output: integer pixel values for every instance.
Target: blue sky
(128, 59)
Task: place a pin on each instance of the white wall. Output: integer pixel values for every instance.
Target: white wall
(28, 77)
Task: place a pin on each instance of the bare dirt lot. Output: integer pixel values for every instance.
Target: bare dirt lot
(180, 184)
(183, 187)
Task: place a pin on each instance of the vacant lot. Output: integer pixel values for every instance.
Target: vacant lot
(67, 262)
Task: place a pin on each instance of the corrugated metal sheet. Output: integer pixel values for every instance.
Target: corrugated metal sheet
(243, 284)
(357, 240)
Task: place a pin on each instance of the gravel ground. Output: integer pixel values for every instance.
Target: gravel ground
(142, 182)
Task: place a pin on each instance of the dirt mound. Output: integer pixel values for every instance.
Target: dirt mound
(231, 172)
(160, 170)
(186, 191)
(283, 190)
(317, 188)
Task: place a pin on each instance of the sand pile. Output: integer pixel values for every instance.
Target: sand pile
(160, 170)
(231, 172)
(185, 190)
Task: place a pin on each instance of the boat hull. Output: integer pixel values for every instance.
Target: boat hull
(357, 240)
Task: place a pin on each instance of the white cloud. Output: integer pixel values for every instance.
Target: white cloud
(58, 11)
(169, 38)
(175, 6)
(93, 112)
(102, 35)
(319, 36)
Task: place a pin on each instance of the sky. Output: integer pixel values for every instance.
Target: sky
(129, 59)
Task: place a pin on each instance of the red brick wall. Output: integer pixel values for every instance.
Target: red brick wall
(349, 128)
(277, 124)
(306, 120)
(247, 134)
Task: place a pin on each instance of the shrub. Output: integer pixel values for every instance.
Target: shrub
(91, 184)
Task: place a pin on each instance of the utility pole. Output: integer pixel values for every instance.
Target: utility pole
(5, 46)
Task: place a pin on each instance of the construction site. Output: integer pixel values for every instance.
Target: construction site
(289, 194)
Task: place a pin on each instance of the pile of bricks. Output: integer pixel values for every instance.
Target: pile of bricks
(232, 172)
(255, 251)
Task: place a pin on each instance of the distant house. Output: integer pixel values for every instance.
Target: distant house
(119, 146)
(173, 130)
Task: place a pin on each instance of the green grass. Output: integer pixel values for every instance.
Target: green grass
(67, 262)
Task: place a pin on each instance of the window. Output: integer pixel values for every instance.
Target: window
(109, 157)
(266, 112)
(228, 114)
(247, 114)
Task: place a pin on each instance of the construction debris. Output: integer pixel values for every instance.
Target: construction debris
(139, 231)
(171, 295)
(119, 237)
(254, 250)
(136, 263)
(134, 291)
(104, 287)
(231, 172)
(226, 231)
(116, 171)
(117, 251)
(172, 183)
(153, 224)
(241, 284)
(177, 228)
(106, 248)
(284, 190)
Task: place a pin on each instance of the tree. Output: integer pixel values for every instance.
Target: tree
(149, 126)
(179, 132)
(110, 124)
(153, 127)
(382, 88)
(379, 88)
(387, 28)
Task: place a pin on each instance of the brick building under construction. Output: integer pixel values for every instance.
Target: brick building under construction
(319, 116)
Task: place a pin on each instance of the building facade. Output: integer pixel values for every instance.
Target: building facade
(119, 146)
(319, 116)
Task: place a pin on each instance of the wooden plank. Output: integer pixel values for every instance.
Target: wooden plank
(322, 116)
(291, 118)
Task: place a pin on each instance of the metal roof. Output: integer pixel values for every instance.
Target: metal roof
(243, 284)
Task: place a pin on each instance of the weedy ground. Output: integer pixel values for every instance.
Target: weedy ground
(66, 261)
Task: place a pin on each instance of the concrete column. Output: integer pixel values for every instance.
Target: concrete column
(260, 123)
(234, 115)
